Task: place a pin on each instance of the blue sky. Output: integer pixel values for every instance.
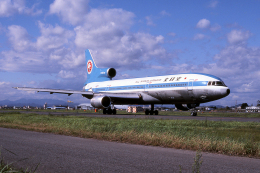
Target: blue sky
(42, 43)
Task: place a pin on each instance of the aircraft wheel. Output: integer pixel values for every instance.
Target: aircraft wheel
(156, 112)
(104, 111)
(147, 112)
(114, 111)
(193, 114)
(109, 111)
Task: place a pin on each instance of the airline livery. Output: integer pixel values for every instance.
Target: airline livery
(186, 91)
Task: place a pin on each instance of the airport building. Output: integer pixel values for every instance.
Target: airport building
(253, 109)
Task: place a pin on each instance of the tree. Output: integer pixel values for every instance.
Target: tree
(258, 103)
(244, 105)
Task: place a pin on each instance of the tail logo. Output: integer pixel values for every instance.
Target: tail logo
(89, 66)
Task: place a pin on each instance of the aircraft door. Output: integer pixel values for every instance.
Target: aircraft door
(190, 85)
(107, 88)
(146, 87)
(190, 89)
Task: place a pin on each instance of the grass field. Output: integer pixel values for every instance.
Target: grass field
(222, 113)
(232, 138)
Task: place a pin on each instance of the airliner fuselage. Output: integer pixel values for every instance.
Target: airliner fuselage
(170, 89)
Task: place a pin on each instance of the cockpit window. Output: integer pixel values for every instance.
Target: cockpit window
(216, 83)
(219, 83)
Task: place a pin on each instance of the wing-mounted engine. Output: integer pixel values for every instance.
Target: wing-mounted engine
(193, 105)
(185, 107)
(100, 102)
(107, 72)
(181, 107)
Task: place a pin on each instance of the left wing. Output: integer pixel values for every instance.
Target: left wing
(88, 94)
(51, 91)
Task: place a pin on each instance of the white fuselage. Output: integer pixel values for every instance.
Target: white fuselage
(170, 89)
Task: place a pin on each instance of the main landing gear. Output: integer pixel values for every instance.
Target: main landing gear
(193, 112)
(110, 110)
(152, 111)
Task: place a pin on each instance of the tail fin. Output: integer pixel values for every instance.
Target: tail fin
(95, 74)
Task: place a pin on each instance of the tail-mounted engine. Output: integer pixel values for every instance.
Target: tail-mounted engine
(100, 102)
(107, 72)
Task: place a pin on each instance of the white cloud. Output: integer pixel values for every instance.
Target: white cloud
(10, 7)
(199, 37)
(149, 21)
(66, 74)
(19, 38)
(53, 37)
(203, 24)
(4, 83)
(22, 61)
(249, 87)
(213, 4)
(164, 13)
(215, 27)
(47, 54)
(107, 32)
(239, 64)
(172, 34)
(111, 18)
(69, 11)
(238, 36)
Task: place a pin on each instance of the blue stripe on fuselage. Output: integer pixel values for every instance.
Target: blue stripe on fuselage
(151, 86)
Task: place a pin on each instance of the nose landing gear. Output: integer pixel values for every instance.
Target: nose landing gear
(152, 111)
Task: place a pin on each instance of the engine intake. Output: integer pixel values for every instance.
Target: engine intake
(107, 73)
(100, 102)
(192, 105)
(187, 106)
(181, 107)
(111, 72)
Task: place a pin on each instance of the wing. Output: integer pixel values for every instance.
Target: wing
(88, 94)
(132, 96)
(51, 91)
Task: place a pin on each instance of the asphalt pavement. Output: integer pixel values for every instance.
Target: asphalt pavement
(58, 153)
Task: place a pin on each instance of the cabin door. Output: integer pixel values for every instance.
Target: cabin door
(190, 85)
(146, 87)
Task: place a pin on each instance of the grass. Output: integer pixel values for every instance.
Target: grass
(217, 113)
(231, 138)
(10, 168)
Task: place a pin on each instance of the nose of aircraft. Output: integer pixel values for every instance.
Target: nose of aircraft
(228, 91)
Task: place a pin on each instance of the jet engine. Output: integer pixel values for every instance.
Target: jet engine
(107, 72)
(181, 107)
(100, 102)
(185, 108)
(192, 105)
(111, 72)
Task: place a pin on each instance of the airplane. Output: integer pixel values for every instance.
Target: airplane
(186, 91)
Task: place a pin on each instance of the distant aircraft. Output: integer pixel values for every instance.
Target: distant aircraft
(186, 91)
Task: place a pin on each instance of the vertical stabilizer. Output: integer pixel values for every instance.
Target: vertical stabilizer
(95, 74)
